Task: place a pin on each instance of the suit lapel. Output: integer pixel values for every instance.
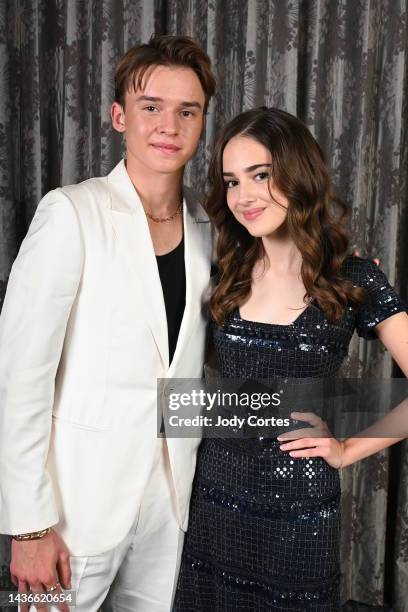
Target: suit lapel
(197, 249)
(133, 236)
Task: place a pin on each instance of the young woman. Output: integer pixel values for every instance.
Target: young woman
(264, 515)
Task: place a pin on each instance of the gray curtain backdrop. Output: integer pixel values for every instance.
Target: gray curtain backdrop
(341, 65)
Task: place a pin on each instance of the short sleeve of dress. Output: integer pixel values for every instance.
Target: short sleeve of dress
(382, 300)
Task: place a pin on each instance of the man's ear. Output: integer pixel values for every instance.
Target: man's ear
(118, 117)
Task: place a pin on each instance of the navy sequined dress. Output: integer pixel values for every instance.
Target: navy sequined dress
(264, 528)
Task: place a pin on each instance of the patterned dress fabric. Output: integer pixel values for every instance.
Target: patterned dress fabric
(264, 527)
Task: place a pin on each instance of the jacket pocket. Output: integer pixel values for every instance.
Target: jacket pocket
(86, 427)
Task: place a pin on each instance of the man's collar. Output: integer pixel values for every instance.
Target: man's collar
(126, 199)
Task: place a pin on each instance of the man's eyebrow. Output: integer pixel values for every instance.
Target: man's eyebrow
(191, 105)
(149, 99)
(155, 99)
(249, 169)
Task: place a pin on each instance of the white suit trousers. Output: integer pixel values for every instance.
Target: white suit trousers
(139, 574)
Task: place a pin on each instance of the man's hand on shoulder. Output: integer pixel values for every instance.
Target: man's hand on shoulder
(356, 253)
(39, 566)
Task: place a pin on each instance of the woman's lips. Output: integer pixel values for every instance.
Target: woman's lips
(249, 215)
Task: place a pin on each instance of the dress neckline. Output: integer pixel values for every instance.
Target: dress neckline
(282, 325)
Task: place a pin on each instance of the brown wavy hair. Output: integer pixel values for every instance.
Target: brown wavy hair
(315, 221)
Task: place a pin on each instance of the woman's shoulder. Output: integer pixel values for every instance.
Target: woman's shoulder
(381, 301)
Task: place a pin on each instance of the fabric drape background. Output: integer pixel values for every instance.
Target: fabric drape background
(340, 65)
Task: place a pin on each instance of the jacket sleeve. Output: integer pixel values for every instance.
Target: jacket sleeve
(42, 288)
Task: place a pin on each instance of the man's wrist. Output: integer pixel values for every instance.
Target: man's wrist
(34, 535)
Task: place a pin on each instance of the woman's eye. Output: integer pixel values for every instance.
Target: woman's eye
(229, 184)
(261, 176)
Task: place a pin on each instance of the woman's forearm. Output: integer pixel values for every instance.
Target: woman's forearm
(384, 433)
(360, 448)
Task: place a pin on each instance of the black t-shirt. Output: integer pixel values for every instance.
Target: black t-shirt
(173, 280)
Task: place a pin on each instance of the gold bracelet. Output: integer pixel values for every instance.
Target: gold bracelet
(35, 535)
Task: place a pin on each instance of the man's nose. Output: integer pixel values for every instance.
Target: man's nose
(169, 123)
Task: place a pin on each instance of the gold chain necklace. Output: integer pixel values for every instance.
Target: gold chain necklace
(163, 219)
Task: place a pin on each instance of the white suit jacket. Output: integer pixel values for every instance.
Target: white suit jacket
(83, 339)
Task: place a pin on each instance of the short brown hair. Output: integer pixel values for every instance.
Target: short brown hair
(163, 51)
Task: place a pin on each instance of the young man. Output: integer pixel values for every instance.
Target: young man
(104, 298)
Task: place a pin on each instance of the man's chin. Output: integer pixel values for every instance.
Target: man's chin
(168, 166)
(169, 170)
